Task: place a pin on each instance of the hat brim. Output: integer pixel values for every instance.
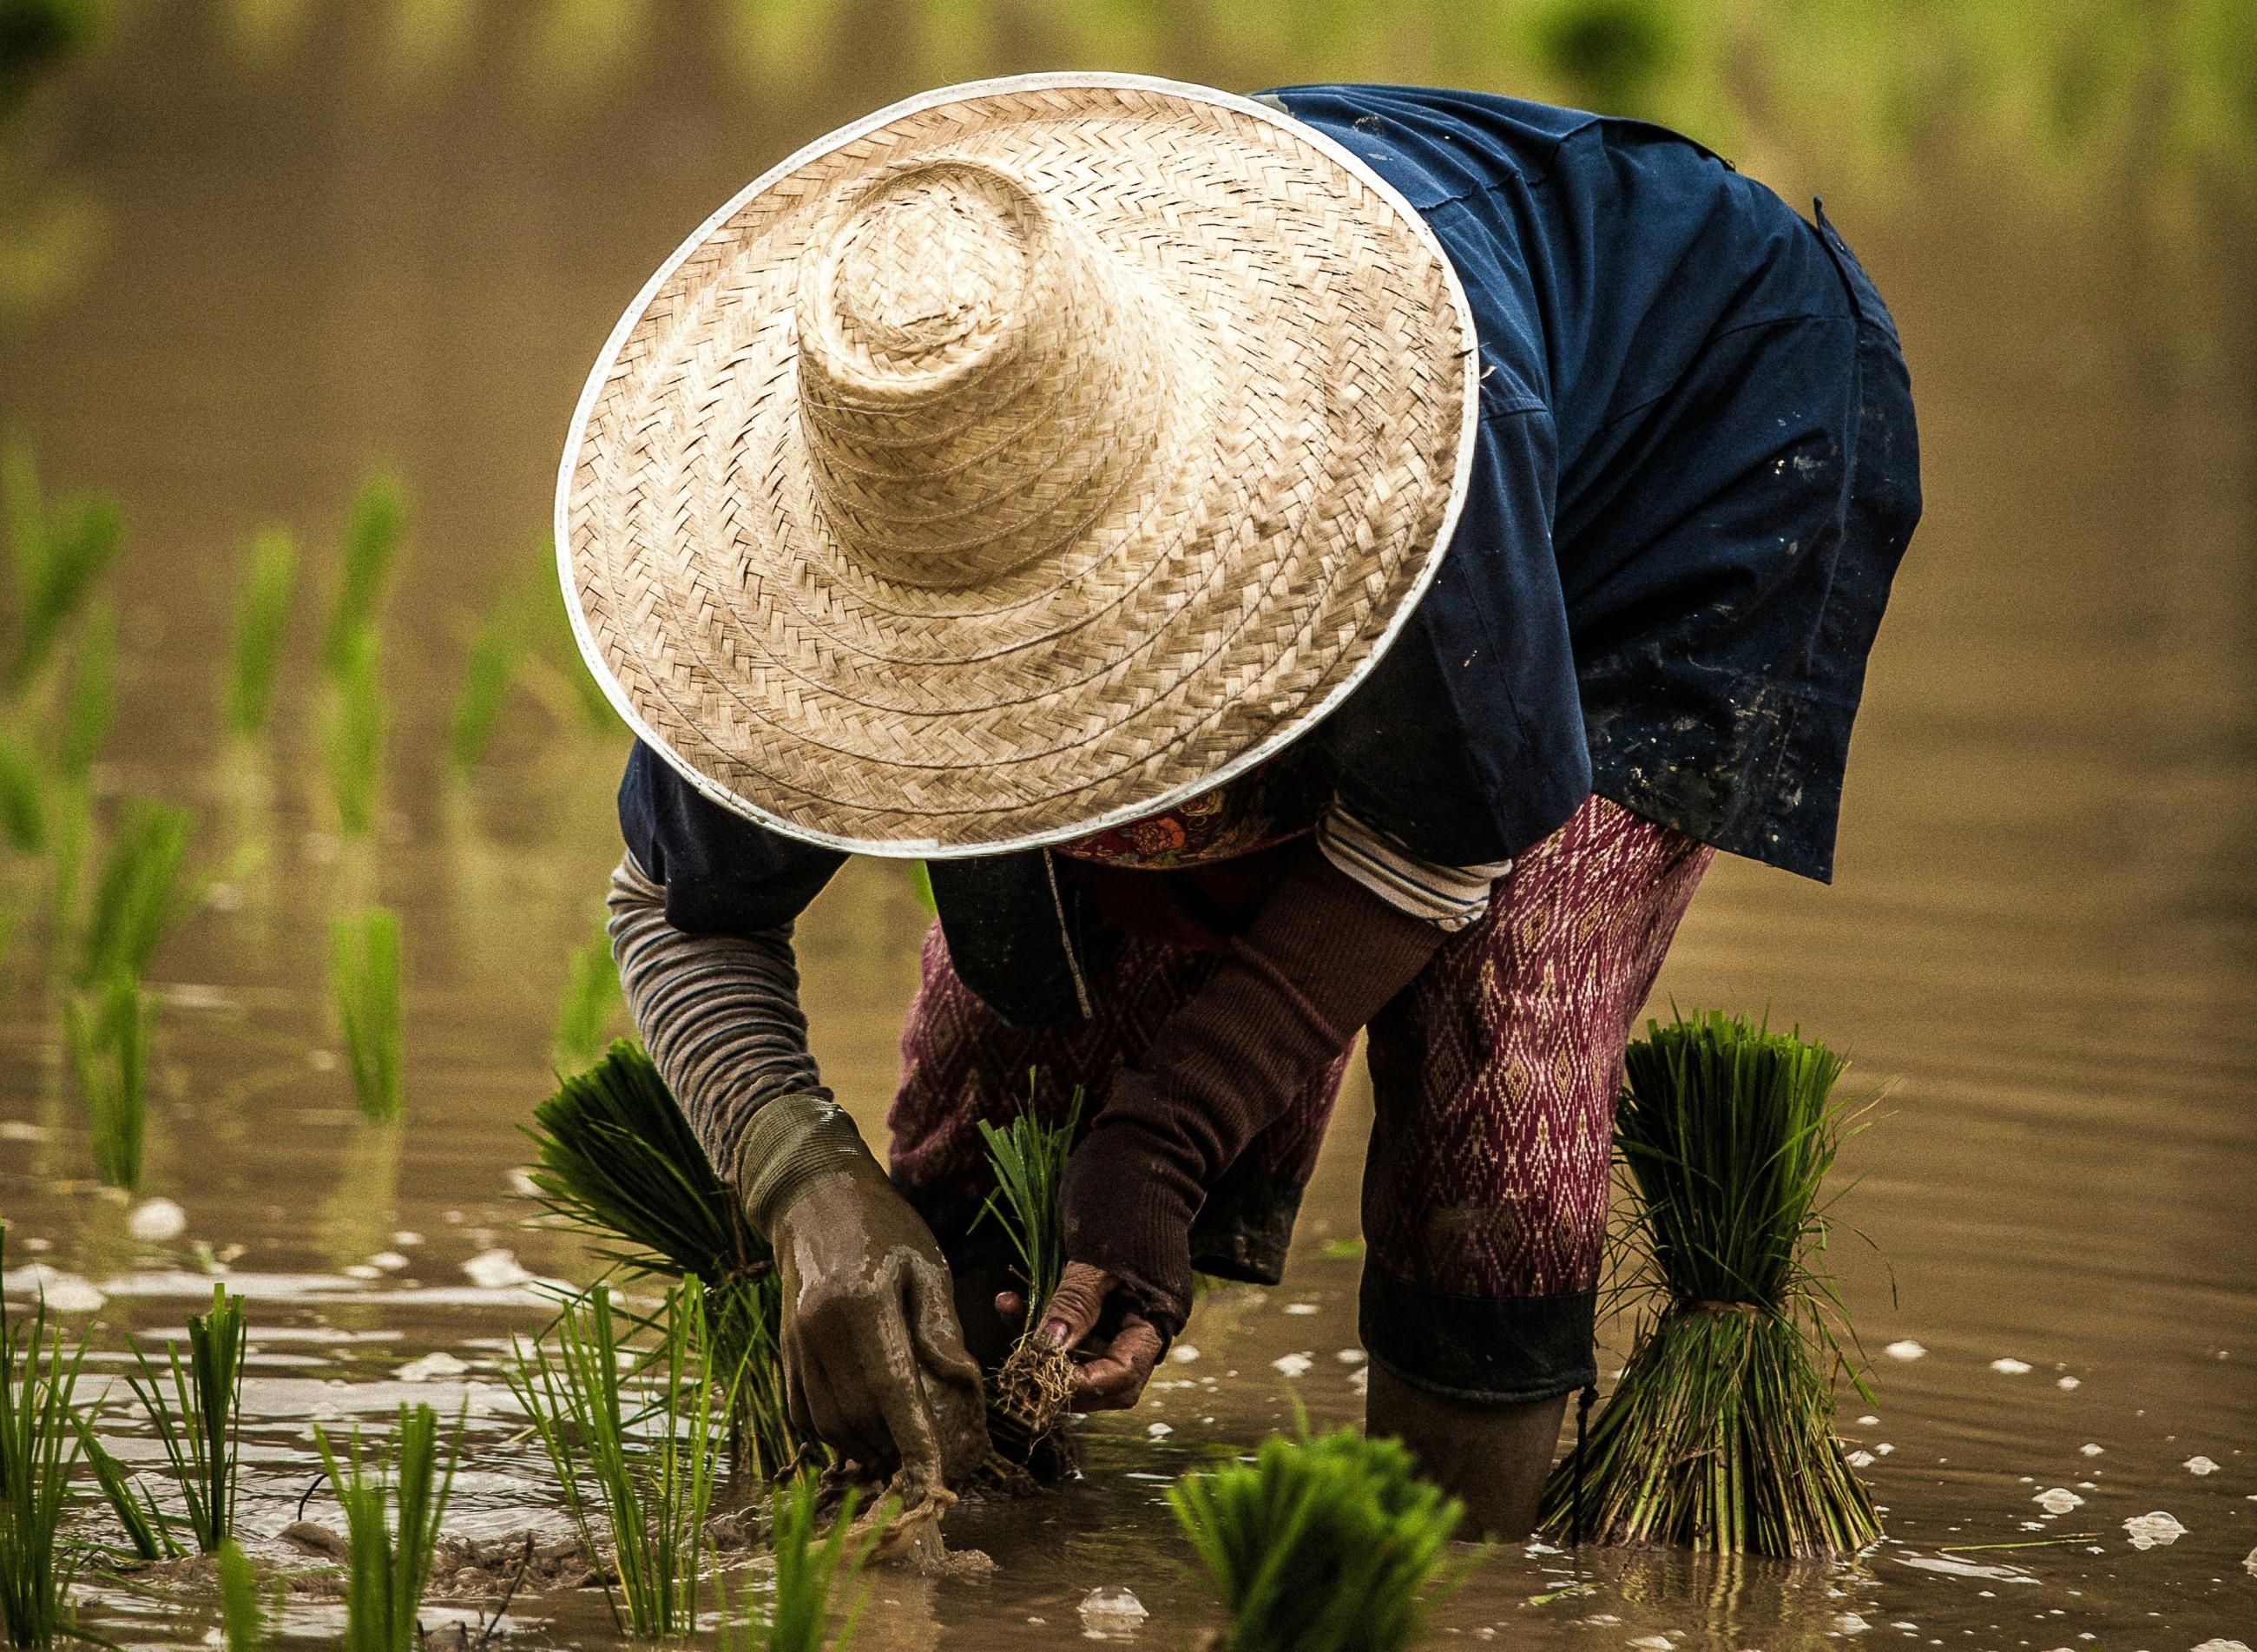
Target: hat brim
(1196, 629)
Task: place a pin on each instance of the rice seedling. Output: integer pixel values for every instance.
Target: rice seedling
(106, 1032)
(137, 898)
(1719, 1435)
(262, 625)
(353, 740)
(647, 1459)
(23, 795)
(38, 1451)
(393, 1500)
(615, 1159)
(1035, 1380)
(591, 1000)
(364, 985)
(57, 557)
(145, 1527)
(90, 704)
(1331, 1544)
(485, 690)
(809, 1579)
(374, 525)
(242, 1616)
(197, 1423)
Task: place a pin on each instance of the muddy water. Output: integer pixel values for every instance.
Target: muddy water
(2042, 930)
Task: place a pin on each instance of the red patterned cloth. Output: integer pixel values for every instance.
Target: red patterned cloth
(1266, 805)
(1494, 1076)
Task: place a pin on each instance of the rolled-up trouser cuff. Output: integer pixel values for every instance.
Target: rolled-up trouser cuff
(1501, 1351)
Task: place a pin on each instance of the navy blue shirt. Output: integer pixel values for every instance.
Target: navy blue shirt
(1694, 475)
(1696, 471)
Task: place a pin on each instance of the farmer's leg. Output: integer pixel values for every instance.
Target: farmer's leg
(1493, 1078)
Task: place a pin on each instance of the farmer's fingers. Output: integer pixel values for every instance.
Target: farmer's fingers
(900, 1394)
(1116, 1381)
(1011, 1309)
(854, 1421)
(933, 1326)
(794, 1385)
(1074, 1306)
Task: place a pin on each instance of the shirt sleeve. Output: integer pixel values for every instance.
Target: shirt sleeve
(1450, 898)
(719, 1014)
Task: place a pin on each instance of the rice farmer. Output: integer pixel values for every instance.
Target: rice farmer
(1344, 560)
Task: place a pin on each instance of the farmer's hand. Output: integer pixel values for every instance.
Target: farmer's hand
(874, 1358)
(1120, 1345)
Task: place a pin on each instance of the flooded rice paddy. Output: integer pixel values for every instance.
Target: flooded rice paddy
(2043, 933)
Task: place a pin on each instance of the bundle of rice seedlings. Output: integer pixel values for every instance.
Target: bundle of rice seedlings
(647, 1458)
(810, 1576)
(56, 557)
(353, 738)
(1320, 1545)
(364, 985)
(107, 1034)
(592, 999)
(137, 896)
(262, 625)
(375, 524)
(615, 1161)
(1719, 1436)
(198, 1422)
(392, 1500)
(145, 1527)
(1031, 1389)
(39, 1451)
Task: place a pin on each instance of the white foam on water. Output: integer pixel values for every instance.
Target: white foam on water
(1113, 1606)
(2091, 1449)
(2155, 1530)
(1906, 1350)
(436, 1364)
(497, 1270)
(154, 1221)
(2200, 1465)
(1183, 1353)
(2058, 1500)
(2069, 1382)
(2011, 1367)
(1291, 1364)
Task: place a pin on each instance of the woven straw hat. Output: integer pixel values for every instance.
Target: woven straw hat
(1024, 459)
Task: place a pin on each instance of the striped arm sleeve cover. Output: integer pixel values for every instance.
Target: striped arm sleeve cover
(719, 1014)
(1450, 898)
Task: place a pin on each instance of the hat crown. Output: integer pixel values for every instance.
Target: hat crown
(978, 379)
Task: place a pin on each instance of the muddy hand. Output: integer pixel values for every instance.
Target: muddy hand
(874, 1358)
(1114, 1368)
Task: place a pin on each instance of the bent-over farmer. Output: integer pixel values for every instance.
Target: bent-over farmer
(1334, 562)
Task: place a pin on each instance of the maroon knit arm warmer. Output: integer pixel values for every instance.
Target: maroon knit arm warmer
(1322, 956)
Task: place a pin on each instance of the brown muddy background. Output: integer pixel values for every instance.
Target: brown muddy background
(246, 250)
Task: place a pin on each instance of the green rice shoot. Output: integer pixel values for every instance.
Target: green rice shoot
(353, 738)
(1332, 1544)
(485, 690)
(263, 605)
(1719, 1434)
(375, 524)
(1029, 1159)
(242, 1615)
(90, 702)
(138, 896)
(640, 1463)
(197, 1422)
(57, 557)
(816, 1579)
(147, 1530)
(364, 985)
(592, 1001)
(394, 1498)
(615, 1161)
(23, 795)
(106, 1031)
(40, 1446)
